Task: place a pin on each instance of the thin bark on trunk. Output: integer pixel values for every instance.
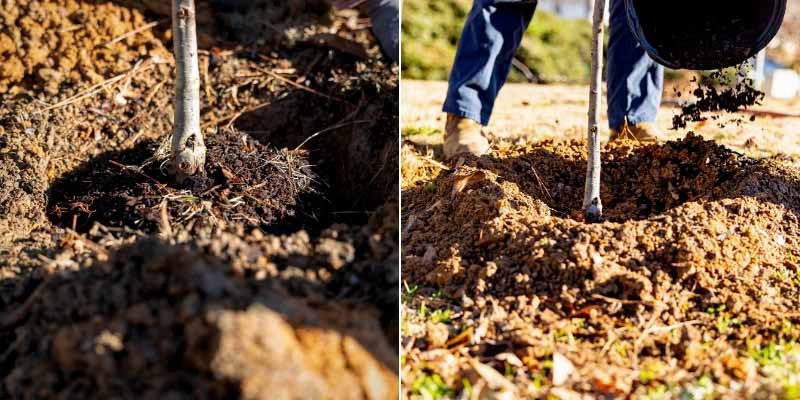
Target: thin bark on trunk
(591, 198)
(188, 148)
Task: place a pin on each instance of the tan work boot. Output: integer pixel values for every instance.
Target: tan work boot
(644, 132)
(463, 135)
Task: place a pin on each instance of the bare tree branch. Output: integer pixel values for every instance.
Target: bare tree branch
(591, 198)
(188, 148)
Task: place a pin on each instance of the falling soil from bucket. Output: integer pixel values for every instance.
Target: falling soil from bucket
(710, 99)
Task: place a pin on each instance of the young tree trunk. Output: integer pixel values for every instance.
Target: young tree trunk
(188, 148)
(591, 198)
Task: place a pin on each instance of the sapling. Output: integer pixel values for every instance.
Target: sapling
(592, 205)
(188, 148)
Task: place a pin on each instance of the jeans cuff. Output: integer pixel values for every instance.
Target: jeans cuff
(614, 123)
(479, 117)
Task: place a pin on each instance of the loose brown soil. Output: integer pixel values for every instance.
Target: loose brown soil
(47, 43)
(245, 181)
(694, 269)
(274, 275)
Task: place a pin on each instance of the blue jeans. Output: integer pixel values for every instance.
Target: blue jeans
(385, 18)
(491, 37)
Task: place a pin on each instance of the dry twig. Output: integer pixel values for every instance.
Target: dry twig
(133, 32)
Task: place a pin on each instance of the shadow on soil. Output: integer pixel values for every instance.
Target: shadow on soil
(266, 24)
(342, 172)
(189, 322)
(126, 188)
(351, 145)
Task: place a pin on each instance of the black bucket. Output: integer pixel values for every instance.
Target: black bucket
(704, 34)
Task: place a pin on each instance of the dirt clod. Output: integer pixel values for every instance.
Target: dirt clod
(21, 197)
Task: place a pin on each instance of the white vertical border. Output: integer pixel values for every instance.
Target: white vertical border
(400, 204)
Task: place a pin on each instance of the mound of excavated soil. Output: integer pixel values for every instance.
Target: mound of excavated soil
(223, 317)
(637, 182)
(46, 43)
(244, 181)
(691, 227)
(52, 45)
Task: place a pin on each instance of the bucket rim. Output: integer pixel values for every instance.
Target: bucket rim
(776, 21)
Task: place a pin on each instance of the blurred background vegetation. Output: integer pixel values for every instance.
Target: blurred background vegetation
(554, 50)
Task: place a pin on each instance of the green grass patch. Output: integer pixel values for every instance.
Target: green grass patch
(435, 316)
(660, 392)
(649, 372)
(772, 353)
(723, 322)
(702, 389)
(442, 316)
(409, 291)
(432, 386)
(409, 131)
(539, 380)
(779, 363)
(467, 387)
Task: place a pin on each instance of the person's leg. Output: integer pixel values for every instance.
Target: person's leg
(385, 18)
(491, 37)
(635, 81)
